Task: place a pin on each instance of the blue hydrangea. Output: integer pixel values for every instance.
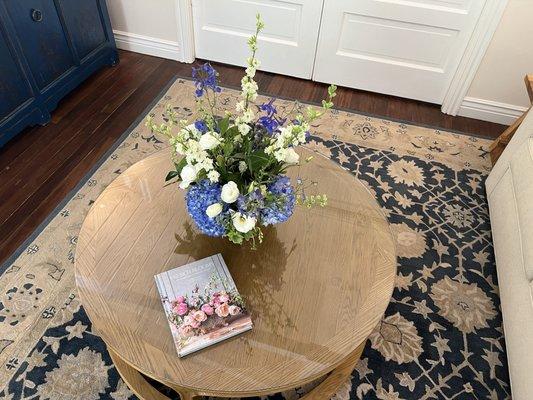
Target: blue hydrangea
(205, 77)
(282, 209)
(198, 198)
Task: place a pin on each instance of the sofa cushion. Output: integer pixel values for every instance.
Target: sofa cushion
(521, 167)
(516, 290)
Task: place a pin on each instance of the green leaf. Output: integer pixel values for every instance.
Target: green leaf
(223, 125)
(179, 166)
(258, 160)
(171, 175)
(228, 148)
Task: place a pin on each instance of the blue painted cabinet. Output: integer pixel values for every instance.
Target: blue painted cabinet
(47, 48)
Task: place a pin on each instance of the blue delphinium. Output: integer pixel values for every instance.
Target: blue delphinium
(270, 121)
(281, 209)
(205, 77)
(198, 198)
(201, 126)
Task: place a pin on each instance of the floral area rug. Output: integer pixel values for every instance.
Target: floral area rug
(441, 337)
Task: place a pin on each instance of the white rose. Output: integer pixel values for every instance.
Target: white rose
(213, 210)
(188, 175)
(208, 141)
(230, 192)
(243, 223)
(291, 156)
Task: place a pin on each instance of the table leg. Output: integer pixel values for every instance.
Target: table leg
(329, 386)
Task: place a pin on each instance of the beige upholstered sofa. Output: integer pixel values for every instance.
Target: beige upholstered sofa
(510, 194)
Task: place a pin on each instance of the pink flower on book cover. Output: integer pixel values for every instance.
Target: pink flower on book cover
(222, 310)
(207, 309)
(199, 314)
(234, 310)
(181, 308)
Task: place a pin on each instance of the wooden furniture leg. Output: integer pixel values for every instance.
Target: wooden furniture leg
(138, 384)
(328, 387)
(498, 146)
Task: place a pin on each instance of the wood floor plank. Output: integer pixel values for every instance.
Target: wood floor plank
(40, 166)
(74, 168)
(24, 185)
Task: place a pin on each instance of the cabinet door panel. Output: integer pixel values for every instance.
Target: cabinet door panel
(14, 89)
(43, 42)
(85, 25)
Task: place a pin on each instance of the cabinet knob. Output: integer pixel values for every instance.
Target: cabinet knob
(36, 15)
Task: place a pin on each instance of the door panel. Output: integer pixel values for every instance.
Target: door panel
(14, 89)
(409, 49)
(85, 25)
(286, 46)
(43, 41)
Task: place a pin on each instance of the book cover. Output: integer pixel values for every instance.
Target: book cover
(202, 304)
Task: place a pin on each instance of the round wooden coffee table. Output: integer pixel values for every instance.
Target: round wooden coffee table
(316, 287)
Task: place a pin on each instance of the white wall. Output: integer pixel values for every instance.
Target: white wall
(149, 27)
(497, 92)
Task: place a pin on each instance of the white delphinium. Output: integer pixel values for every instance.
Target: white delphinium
(249, 87)
(290, 136)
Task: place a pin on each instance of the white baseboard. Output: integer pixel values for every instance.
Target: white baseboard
(148, 45)
(492, 111)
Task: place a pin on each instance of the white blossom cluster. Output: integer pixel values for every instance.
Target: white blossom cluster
(283, 144)
(194, 145)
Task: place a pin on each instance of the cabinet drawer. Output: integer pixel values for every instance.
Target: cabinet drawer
(41, 38)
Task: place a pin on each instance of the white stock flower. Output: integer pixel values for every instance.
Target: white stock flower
(244, 129)
(242, 166)
(247, 116)
(243, 223)
(209, 140)
(213, 210)
(230, 192)
(280, 154)
(250, 71)
(193, 131)
(240, 106)
(291, 156)
(213, 176)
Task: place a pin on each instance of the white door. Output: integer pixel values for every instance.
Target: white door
(407, 48)
(286, 46)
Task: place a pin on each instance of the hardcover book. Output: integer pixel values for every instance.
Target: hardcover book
(202, 304)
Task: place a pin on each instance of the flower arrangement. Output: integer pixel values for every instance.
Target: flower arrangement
(201, 314)
(233, 165)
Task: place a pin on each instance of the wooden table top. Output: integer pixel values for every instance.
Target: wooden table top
(316, 287)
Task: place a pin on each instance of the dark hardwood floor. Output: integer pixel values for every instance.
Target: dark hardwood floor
(41, 165)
